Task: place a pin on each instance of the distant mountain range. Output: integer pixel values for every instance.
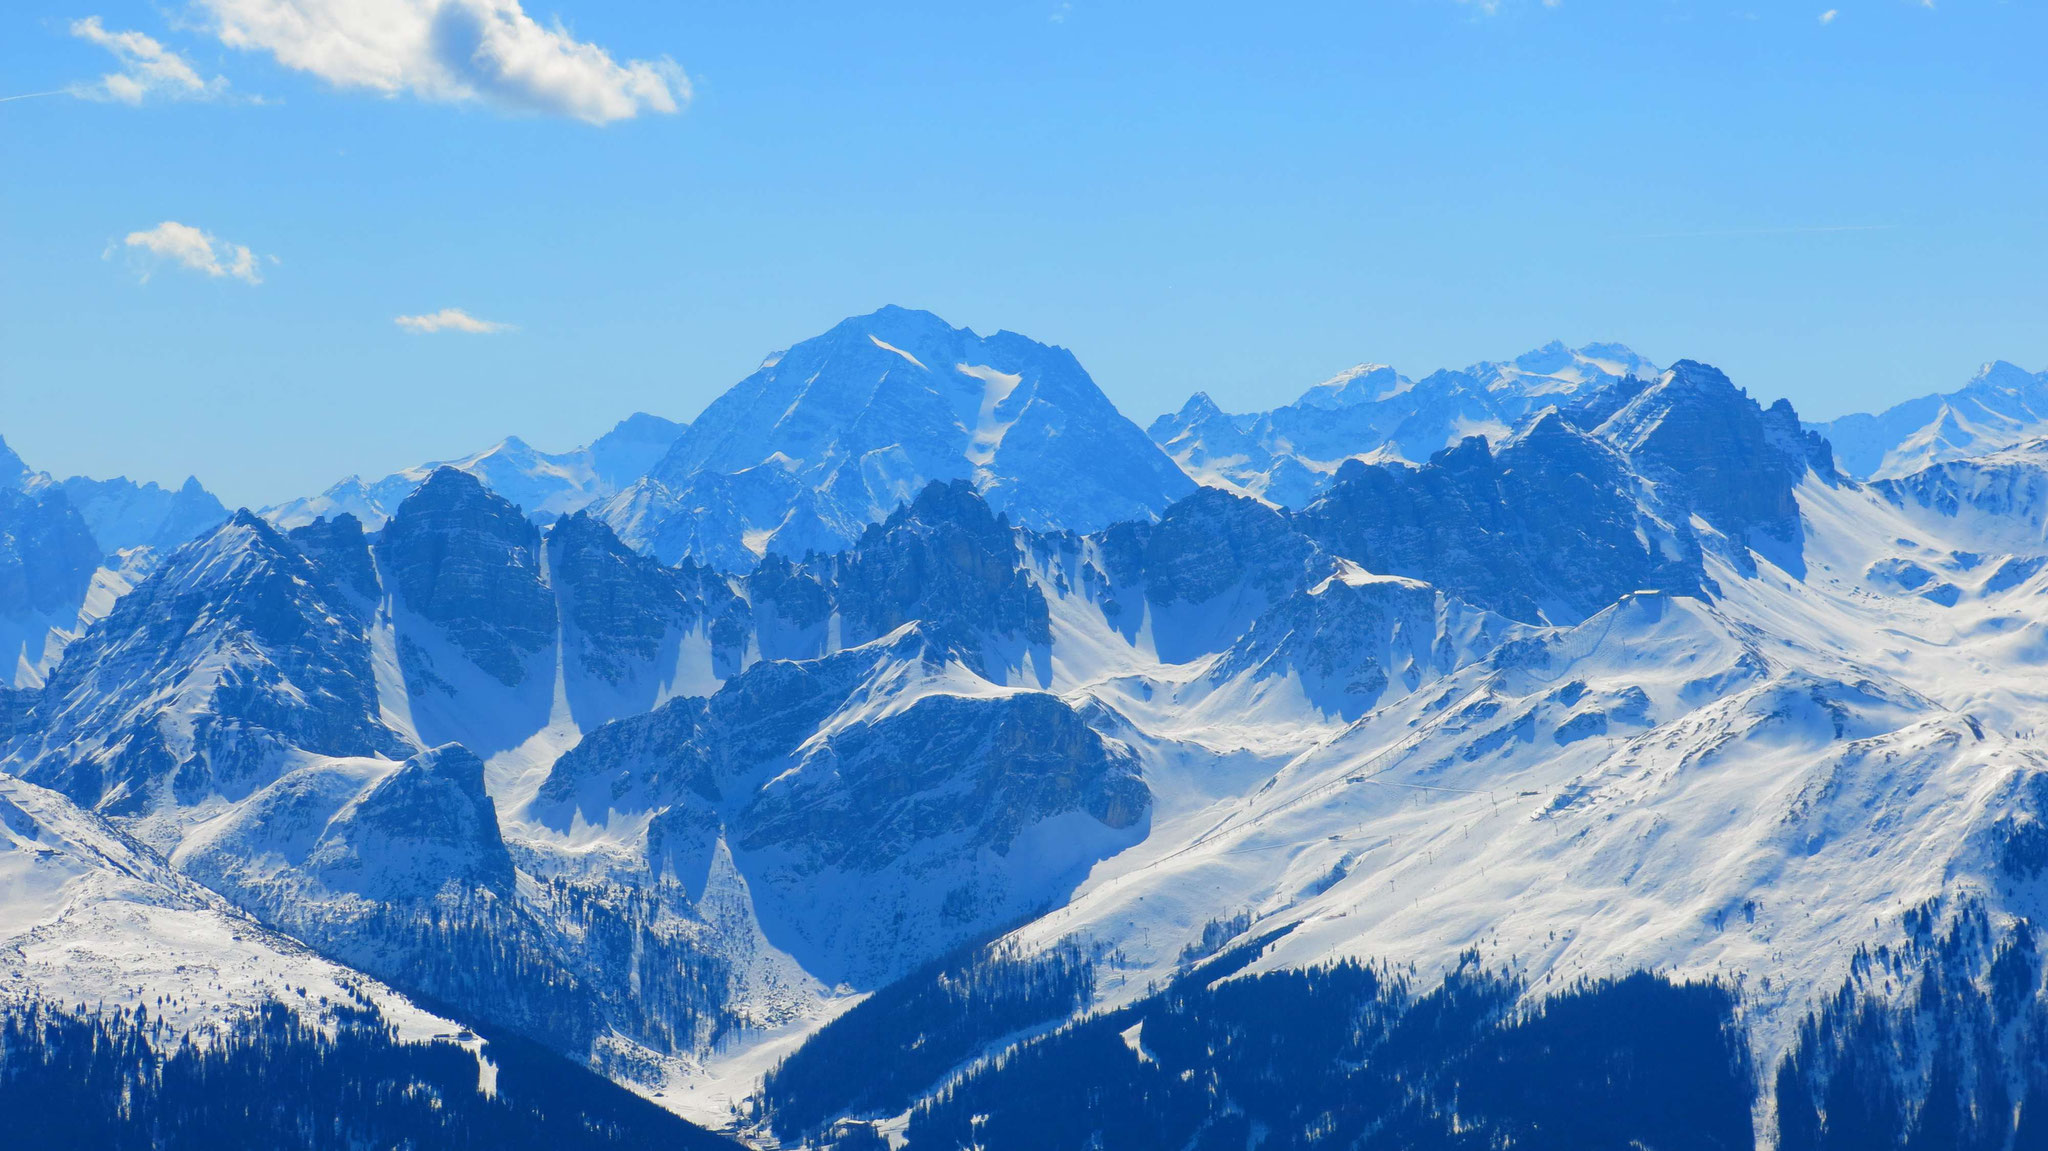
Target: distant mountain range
(2003, 406)
(544, 484)
(1577, 756)
(838, 431)
(1289, 454)
(69, 547)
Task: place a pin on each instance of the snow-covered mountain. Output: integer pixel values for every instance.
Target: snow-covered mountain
(2004, 405)
(69, 548)
(122, 514)
(13, 472)
(1289, 454)
(837, 432)
(93, 917)
(47, 560)
(119, 971)
(1624, 774)
(125, 515)
(543, 484)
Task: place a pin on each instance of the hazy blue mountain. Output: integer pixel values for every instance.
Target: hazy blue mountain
(1622, 774)
(542, 484)
(49, 589)
(2004, 405)
(1289, 454)
(838, 431)
(13, 473)
(47, 560)
(124, 514)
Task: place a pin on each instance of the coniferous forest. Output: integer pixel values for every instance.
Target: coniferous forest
(122, 1081)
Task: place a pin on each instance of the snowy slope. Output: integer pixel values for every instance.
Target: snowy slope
(89, 917)
(51, 587)
(836, 432)
(1637, 679)
(2004, 405)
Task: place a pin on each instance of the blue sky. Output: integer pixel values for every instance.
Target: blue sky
(1235, 198)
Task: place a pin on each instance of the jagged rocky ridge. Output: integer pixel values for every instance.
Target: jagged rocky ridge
(1288, 455)
(69, 548)
(1642, 683)
(543, 484)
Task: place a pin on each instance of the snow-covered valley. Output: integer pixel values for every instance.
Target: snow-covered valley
(864, 676)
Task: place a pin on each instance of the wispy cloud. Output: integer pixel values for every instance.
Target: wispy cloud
(449, 320)
(148, 69)
(187, 247)
(1787, 231)
(1828, 17)
(1493, 7)
(454, 50)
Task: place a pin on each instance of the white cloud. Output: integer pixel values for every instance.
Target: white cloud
(189, 247)
(449, 320)
(1828, 17)
(488, 50)
(148, 69)
(1494, 7)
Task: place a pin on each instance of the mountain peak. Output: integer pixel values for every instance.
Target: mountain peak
(1732, 463)
(425, 826)
(861, 419)
(1697, 375)
(1547, 424)
(907, 326)
(2002, 405)
(1358, 384)
(464, 558)
(445, 484)
(2004, 374)
(1199, 407)
(13, 472)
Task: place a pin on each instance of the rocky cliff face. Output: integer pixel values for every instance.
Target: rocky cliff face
(362, 832)
(236, 651)
(47, 555)
(956, 798)
(621, 606)
(1355, 641)
(340, 548)
(468, 562)
(1204, 546)
(1734, 464)
(1548, 527)
(945, 560)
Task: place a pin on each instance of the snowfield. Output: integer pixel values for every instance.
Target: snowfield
(1629, 676)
